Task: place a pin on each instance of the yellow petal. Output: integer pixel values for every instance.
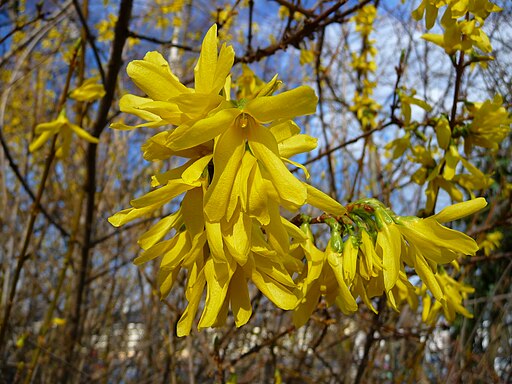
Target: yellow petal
(280, 295)
(199, 104)
(344, 299)
(158, 231)
(210, 73)
(432, 235)
(297, 144)
(155, 251)
(264, 147)
(83, 134)
(276, 232)
(218, 276)
(171, 174)
(427, 276)
(460, 210)
(257, 196)
(52, 126)
(298, 165)
(129, 214)
(174, 256)
(287, 105)
(307, 305)
(195, 171)
(388, 240)
(451, 160)
(284, 130)
(229, 152)
(165, 110)
(240, 299)
(192, 209)
(165, 280)
(215, 243)
(191, 134)
(90, 90)
(154, 77)
(163, 194)
(350, 251)
(443, 132)
(237, 237)
(38, 143)
(194, 292)
(360, 290)
(320, 200)
(131, 104)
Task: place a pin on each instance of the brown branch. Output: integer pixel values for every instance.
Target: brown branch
(114, 65)
(249, 27)
(370, 339)
(296, 8)
(155, 40)
(294, 39)
(40, 16)
(263, 344)
(318, 64)
(350, 142)
(14, 167)
(90, 39)
(24, 256)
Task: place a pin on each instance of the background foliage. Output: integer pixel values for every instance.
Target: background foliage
(83, 313)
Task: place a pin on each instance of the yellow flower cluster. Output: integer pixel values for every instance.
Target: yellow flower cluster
(228, 229)
(364, 106)
(455, 294)
(489, 124)
(89, 91)
(369, 251)
(462, 23)
(229, 232)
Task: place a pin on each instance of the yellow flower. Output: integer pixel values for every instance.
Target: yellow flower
(431, 243)
(422, 244)
(65, 129)
(490, 124)
(428, 8)
(490, 242)
(454, 295)
(323, 276)
(90, 90)
(171, 102)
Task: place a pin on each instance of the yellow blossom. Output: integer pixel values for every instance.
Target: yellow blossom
(89, 91)
(65, 129)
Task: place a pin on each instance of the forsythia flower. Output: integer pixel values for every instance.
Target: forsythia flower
(229, 232)
(422, 244)
(490, 125)
(90, 90)
(228, 229)
(364, 106)
(455, 294)
(490, 242)
(65, 129)
(459, 35)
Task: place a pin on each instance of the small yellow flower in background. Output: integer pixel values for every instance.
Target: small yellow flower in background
(65, 129)
(363, 62)
(460, 33)
(105, 28)
(490, 125)
(490, 242)
(89, 91)
(58, 321)
(455, 294)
